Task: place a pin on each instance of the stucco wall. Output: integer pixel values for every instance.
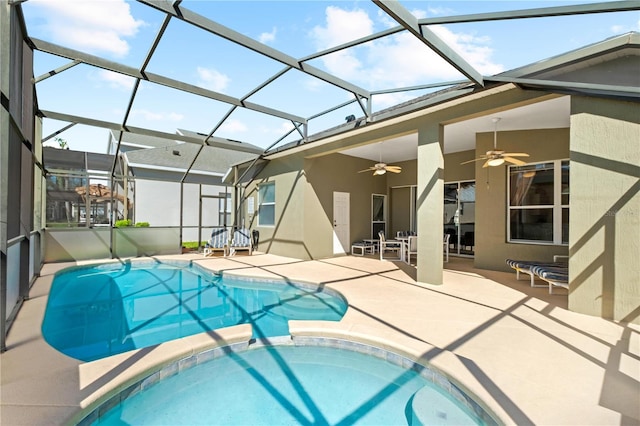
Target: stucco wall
(287, 236)
(491, 247)
(456, 172)
(304, 203)
(605, 209)
(339, 173)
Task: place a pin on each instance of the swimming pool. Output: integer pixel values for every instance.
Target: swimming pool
(302, 385)
(102, 310)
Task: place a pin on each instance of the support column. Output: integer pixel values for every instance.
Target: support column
(430, 203)
(604, 232)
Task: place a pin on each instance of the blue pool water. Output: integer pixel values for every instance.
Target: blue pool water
(292, 385)
(97, 311)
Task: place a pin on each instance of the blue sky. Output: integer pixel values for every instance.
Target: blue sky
(123, 31)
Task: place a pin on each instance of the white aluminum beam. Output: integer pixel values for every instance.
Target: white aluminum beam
(208, 25)
(213, 141)
(578, 9)
(99, 62)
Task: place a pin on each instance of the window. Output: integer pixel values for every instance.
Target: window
(539, 203)
(224, 208)
(460, 216)
(378, 214)
(267, 206)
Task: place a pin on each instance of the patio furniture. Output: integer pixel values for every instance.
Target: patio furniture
(410, 248)
(445, 246)
(241, 241)
(555, 276)
(361, 248)
(526, 267)
(218, 243)
(375, 242)
(389, 245)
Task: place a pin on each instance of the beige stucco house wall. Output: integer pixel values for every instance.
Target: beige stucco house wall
(604, 237)
(492, 246)
(304, 203)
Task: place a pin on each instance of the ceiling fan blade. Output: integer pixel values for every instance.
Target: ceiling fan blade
(485, 165)
(394, 170)
(484, 157)
(514, 161)
(393, 167)
(367, 170)
(515, 154)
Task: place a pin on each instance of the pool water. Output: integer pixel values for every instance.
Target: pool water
(292, 385)
(102, 310)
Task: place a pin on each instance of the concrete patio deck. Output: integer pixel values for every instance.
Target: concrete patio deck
(516, 349)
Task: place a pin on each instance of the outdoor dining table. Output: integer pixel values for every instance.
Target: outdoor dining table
(403, 240)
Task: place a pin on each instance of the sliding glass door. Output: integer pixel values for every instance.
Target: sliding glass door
(459, 216)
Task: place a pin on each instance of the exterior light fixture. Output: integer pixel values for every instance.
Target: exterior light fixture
(496, 162)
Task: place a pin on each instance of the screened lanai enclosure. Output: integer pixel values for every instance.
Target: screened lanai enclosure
(79, 190)
(91, 212)
(261, 98)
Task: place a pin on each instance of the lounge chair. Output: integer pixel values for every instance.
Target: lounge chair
(389, 245)
(218, 243)
(555, 276)
(241, 241)
(525, 266)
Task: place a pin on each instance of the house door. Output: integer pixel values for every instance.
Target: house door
(340, 222)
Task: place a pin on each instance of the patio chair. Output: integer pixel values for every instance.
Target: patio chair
(389, 245)
(410, 248)
(445, 246)
(241, 241)
(218, 243)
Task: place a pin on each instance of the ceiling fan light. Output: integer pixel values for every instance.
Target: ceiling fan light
(495, 162)
(380, 172)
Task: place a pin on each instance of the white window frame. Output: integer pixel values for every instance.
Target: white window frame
(384, 215)
(557, 206)
(224, 208)
(262, 203)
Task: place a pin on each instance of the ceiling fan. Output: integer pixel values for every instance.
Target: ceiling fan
(497, 157)
(381, 168)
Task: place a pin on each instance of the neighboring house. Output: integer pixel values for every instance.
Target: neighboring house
(151, 179)
(159, 169)
(577, 115)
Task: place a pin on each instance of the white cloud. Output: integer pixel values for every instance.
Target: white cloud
(212, 79)
(157, 116)
(116, 80)
(621, 29)
(341, 26)
(268, 37)
(234, 126)
(397, 60)
(284, 128)
(82, 24)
